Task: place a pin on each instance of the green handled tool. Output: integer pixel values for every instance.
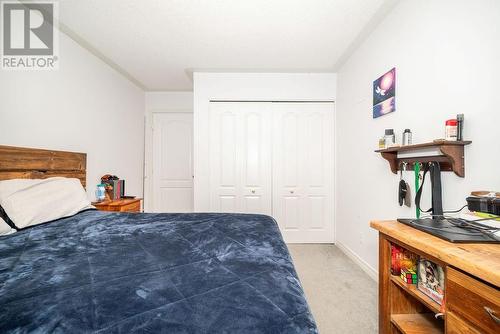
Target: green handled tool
(417, 181)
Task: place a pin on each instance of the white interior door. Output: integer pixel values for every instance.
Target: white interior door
(240, 157)
(172, 162)
(303, 171)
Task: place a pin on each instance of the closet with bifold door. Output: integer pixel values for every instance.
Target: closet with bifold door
(275, 158)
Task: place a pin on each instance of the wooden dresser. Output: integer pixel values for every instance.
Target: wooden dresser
(472, 294)
(121, 205)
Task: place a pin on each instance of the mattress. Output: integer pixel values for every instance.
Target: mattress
(151, 273)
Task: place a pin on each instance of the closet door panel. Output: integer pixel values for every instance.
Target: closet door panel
(240, 150)
(227, 203)
(314, 152)
(253, 145)
(253, 204)
(316, 171)
(256, 159)
(316, 211)
(227, 143)
(286, 169)
(289, 139)
(224, 169)
(303, 171)
(291, 213)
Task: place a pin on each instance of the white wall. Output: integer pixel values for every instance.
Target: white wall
(85, 106)
(160, 102)
(246, 87)
(168, 101)
(447, 56)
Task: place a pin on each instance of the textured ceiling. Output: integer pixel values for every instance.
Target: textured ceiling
(160, 43)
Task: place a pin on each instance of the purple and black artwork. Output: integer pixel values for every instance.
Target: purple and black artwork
(384, 94)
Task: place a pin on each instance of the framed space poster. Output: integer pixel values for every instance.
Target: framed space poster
(384, 94)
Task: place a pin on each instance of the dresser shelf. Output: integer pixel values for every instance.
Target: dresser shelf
(412, 290)
(417, 323)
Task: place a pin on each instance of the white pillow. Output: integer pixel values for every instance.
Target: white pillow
(5, 228)
(32, 202)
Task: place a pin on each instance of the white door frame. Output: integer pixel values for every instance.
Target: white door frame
(148, 152)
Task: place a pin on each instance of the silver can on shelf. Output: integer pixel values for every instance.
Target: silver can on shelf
(406, 137)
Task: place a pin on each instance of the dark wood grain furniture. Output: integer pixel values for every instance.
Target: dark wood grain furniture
(121, 205)
(33, 163)
(472, 294)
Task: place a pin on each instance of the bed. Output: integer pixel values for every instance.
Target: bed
(156, 273)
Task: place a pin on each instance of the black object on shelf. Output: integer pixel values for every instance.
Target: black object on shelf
(122, 188)
(460, 127)
(484, 204)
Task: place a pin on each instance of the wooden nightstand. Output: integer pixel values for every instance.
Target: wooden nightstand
(121, 205)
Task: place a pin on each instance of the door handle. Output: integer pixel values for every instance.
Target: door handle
(253, 191)
(291, 191)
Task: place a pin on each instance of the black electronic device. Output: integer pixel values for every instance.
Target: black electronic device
(453, 230)
(486, 204)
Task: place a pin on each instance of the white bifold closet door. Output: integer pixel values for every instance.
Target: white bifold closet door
(275, 159)
(303, 171)
(240, 158)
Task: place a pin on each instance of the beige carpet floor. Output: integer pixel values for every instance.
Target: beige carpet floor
(343, 298)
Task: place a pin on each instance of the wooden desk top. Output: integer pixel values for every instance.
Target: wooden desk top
(480, 260)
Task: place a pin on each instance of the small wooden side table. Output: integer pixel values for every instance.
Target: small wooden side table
(121, 205)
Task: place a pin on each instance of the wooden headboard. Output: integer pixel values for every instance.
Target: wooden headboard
(33, 163)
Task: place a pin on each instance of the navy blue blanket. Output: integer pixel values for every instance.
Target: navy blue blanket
(153, 273)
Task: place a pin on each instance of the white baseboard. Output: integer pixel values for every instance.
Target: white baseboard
(359, 261)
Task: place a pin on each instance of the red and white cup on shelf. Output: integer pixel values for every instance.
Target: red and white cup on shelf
(451, 129)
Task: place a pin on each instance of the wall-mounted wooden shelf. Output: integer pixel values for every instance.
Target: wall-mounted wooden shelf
(451, 158)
